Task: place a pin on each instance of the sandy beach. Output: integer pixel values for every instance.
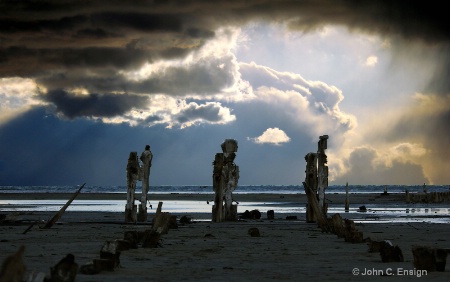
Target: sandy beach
(289, 250)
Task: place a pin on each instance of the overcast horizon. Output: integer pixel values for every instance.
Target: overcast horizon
(82, 84)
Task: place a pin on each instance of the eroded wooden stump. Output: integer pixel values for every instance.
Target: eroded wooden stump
(430, 259)
(337, 225)
(391, 253)
(351, 234)
(441, 258)
(152, 239)
(111, 251)
(375, 246)
(65, 270)
(132, 237)
(162, 222)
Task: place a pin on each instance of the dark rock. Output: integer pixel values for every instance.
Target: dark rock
(185, 220)
(254, 232)
(254, 214)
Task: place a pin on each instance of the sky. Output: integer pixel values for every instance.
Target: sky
(84, 83)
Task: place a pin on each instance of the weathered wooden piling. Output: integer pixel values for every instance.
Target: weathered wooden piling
(316, 182)
(133, 172)
(146, 159)
(322, 169)
(136, 172)
(225, 180)
(347, 202)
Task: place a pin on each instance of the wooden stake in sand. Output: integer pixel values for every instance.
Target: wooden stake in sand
(347, 202)
(322, 177)
(57, 216)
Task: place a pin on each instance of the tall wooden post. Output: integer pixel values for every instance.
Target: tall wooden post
(347, 202)
(136, 172)
(133, 171)
(146, 158)
(225, 179)
(311, 184)
(316, 181)
(322, 171)
(217, 187)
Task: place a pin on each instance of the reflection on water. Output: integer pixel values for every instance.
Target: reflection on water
(374, 213)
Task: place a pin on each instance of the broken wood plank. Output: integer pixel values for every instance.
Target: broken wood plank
(58, 215)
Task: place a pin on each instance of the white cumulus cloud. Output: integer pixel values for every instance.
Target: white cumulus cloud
(371, 61)
(274, 136)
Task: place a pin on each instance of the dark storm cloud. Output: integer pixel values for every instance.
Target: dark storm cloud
(146, 22)
(93, 105)
(39, 39)
(205, 77)
(409, 19)
(20, 61)
(209, 112)
(63, 21)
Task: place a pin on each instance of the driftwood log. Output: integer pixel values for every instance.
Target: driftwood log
(58, 215)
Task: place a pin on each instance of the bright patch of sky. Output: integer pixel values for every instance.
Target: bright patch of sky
(358, 64)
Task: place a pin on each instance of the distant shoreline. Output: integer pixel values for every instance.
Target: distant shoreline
(332, 198)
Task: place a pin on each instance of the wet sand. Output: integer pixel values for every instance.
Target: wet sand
(289, 250)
